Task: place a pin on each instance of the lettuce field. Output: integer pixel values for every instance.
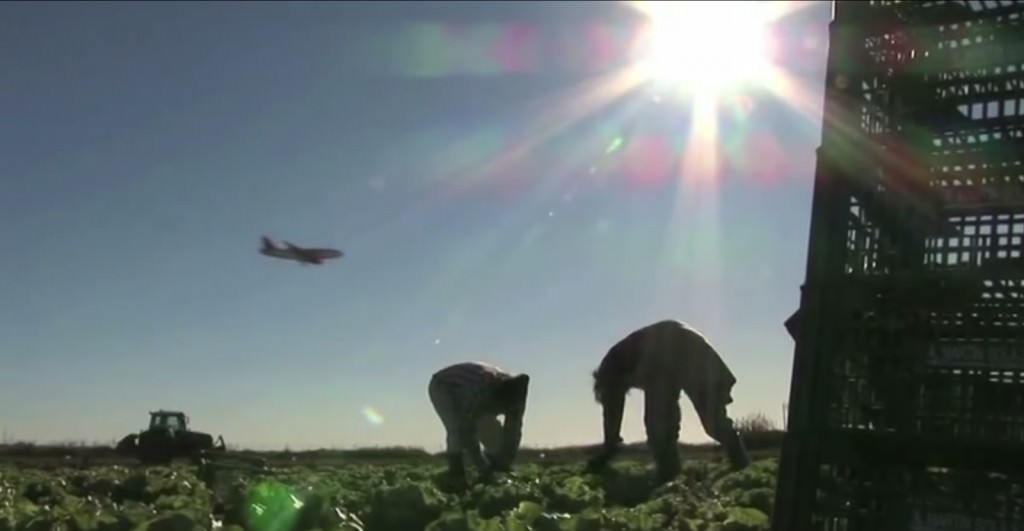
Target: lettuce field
(384, 497)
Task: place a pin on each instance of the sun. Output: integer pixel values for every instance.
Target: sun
(704, 47)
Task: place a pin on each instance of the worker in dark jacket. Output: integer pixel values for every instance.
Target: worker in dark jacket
(469, 397)
(663, 359)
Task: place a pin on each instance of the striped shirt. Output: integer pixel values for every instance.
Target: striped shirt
(669, 352)
(470, 385)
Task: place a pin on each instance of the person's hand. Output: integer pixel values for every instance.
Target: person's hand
(487, 473)
(598, 462)
(604, 456)
(484, 477)
(498, 464)
(452, 483)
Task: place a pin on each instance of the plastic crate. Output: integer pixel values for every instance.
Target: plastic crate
(932, 343)
(884, 498)
(932, 142)
(951, 370)
(915, 279)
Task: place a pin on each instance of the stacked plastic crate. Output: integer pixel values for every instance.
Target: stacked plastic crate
(907, 398)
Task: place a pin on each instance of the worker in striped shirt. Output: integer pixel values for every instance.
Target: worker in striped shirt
(664, 359)
(469, 397)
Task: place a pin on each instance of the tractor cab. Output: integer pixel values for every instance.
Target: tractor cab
(168, 437)
(168, 420)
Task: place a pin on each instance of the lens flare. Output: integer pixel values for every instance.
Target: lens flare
(372, 416)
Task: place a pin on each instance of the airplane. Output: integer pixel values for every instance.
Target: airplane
(302, 255)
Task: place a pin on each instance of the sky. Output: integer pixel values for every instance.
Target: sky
(495, 198)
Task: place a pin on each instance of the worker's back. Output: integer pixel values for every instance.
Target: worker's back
(676, 353)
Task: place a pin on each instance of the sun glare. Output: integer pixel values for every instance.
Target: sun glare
(704, 47)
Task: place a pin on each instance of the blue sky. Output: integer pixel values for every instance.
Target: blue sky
(147, 146)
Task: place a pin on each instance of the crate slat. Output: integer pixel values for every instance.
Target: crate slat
(913, 356)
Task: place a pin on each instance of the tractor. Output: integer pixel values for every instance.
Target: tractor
(168, 438)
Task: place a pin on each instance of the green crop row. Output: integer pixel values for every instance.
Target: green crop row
(400, 497)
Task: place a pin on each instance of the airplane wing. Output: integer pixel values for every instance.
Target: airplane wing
(300, 253)
(303, 254)
(324, 254)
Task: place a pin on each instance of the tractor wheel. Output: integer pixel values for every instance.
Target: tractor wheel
(196, 444)
(127, 445)
(156, 449)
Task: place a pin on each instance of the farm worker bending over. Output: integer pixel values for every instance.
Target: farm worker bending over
(663, 359)
(469, 397)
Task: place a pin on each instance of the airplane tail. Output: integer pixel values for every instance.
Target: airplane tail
(267, 243)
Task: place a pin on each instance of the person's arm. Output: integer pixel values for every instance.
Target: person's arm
(512, 436)
(612, 408)
(468, 437)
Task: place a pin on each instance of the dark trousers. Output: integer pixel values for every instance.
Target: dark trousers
(662, 419)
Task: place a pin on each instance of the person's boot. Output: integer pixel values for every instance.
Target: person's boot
(736, 451)
(456, 470)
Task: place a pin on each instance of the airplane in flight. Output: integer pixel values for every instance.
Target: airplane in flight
(302, 255)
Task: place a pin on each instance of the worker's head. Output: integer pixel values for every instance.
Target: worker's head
(601, 385)
(512, 392)
(608, 383)
(611, 378)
